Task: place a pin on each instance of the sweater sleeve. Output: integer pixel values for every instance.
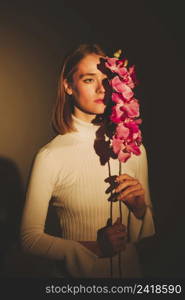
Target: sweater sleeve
(145, 227)
(34, 240)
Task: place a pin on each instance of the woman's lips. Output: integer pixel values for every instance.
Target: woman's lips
(99, 101)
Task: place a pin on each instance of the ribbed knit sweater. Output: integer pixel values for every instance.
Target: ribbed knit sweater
(68, 173)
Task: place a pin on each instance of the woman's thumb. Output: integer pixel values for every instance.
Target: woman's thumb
(118, 221)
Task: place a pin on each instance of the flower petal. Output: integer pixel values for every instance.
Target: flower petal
(132, 147)
(117, 98)
(132, 108)
(116, 145)
(123, 156)
(122, 132)
(120, 87)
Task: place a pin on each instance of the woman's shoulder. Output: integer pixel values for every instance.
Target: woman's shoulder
(56, 147)
(142, 158)
(50, 146)
(134, 160)
(143, 149)
(142, 155)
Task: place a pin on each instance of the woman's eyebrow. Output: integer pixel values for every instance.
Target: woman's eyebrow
(86, 74)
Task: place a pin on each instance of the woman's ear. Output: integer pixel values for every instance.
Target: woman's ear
(67, 87)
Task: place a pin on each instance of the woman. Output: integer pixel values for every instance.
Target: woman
(69, 174)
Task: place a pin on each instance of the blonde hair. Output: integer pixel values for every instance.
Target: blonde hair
(63, 109)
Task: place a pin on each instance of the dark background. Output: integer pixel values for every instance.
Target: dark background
(35, 36)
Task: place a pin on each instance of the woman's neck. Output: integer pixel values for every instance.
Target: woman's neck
(84, 129)
(83, 116)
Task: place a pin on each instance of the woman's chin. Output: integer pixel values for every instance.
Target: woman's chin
(99, 110)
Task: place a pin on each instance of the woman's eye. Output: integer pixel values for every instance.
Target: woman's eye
(88, 80)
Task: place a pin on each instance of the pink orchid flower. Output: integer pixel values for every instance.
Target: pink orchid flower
(117, 145)
(127, 136)
(139, 137)
(138, 121)
(122, 132)
(117, 113)
(131, 108)
(122, 72)
(115, 64)
(120, 87)
(111, 64)
(128, 80)
(123, 156)
(131, 125)
(117, 98)
(133, 75)
(132, 147)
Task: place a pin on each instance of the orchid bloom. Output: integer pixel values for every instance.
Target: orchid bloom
(127, 136)
(119, 86)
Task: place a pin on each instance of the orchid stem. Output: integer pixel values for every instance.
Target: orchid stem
(120, 210)
(121, 219)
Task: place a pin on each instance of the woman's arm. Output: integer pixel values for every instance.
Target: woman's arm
(144, 227)
(32, 236)
(39, 192)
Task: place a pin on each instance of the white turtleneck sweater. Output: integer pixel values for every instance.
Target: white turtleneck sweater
(68, 172)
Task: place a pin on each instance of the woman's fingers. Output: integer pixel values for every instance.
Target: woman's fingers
(118, 241)
(117, 226)
(132, 191)
(123, 177)
(117, 222)
(113, 239)
(117, 231)
(116, 235)
(125, 184)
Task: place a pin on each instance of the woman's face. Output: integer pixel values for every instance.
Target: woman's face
(87, 88)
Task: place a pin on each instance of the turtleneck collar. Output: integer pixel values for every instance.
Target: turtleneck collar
(84, 129)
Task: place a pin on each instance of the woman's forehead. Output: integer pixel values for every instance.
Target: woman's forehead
(89, 65)
(89, 62)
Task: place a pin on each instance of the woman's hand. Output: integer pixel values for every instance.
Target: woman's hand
(132, 194)
(92, 246)
(112, 239)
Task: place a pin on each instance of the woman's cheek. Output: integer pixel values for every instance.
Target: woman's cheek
(88, 91)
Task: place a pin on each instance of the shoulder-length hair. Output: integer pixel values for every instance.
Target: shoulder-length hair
(63, 109)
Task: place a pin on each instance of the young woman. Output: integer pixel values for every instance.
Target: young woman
(69, 175)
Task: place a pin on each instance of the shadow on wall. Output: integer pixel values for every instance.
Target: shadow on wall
(11, 204)
(13, 263)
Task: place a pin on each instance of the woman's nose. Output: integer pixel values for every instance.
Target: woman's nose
(100, 87)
